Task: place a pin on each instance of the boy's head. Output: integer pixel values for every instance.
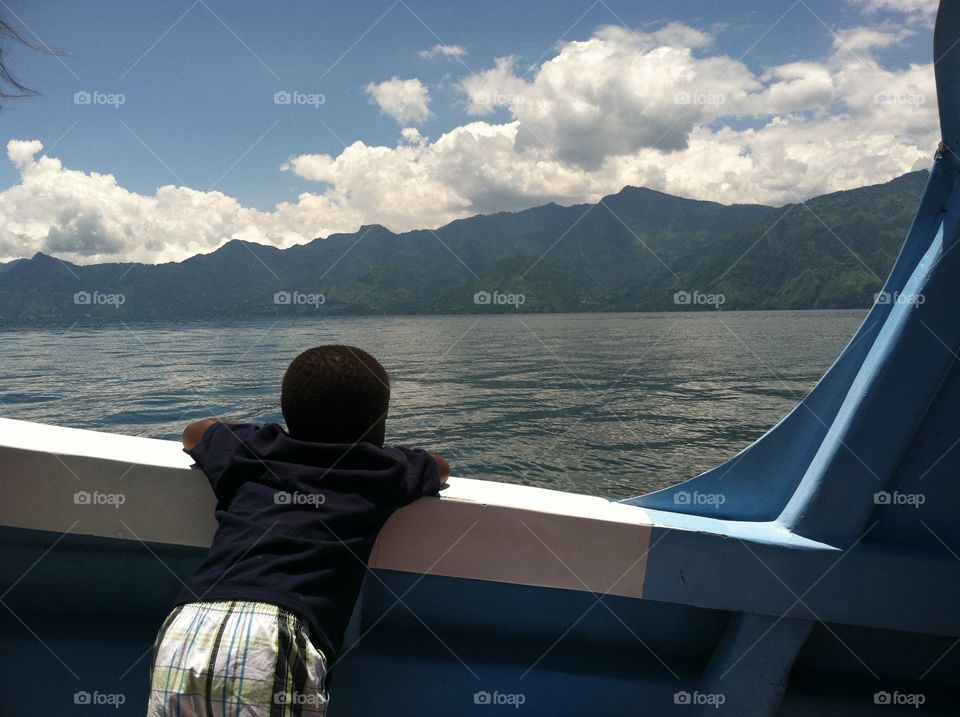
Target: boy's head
(336, 394)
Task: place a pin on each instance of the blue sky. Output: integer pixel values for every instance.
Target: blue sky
(198, 80)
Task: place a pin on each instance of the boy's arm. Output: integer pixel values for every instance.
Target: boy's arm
(443, 468)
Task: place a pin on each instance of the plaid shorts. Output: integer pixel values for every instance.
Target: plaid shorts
(238, 659)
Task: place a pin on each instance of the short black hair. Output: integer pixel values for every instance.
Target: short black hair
(336, 394)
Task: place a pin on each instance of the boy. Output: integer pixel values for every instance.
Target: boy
(258, 623)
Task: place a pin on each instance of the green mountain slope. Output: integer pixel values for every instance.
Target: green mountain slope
(631, 251)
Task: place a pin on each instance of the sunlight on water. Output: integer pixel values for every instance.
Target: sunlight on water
(606, 404)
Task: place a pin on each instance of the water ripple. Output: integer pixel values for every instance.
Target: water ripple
(606, 404)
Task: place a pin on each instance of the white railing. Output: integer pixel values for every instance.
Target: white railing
(130, 488)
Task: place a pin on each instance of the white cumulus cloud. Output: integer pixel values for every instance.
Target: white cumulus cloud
(90, 218)
(655, 109)
(404, 100)
(922, 11)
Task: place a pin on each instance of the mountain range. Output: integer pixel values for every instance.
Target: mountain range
(637, 250)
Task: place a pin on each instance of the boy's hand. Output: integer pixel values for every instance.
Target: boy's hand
(193, 433)
(442, 467)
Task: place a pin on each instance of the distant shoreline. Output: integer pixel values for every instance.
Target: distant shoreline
(98, 321)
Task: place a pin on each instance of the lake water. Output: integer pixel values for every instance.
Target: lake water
(605, 404)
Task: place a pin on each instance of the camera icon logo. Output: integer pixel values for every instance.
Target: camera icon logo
(282, 498)
(282, 97)
(82, 98)
(282, 298)
(881, 698)
(881, 498)
(482, 298)
(681, 498)
(82, 698)
(482, 698)
(681, 297)
(82, 497)
(682, 698)
(82, 297)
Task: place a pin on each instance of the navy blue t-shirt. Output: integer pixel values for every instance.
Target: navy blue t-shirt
(298, 519)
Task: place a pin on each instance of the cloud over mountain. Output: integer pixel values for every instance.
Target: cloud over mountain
(658, 109)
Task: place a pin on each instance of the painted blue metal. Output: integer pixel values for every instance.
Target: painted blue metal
(762, 673)
(946, 56)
